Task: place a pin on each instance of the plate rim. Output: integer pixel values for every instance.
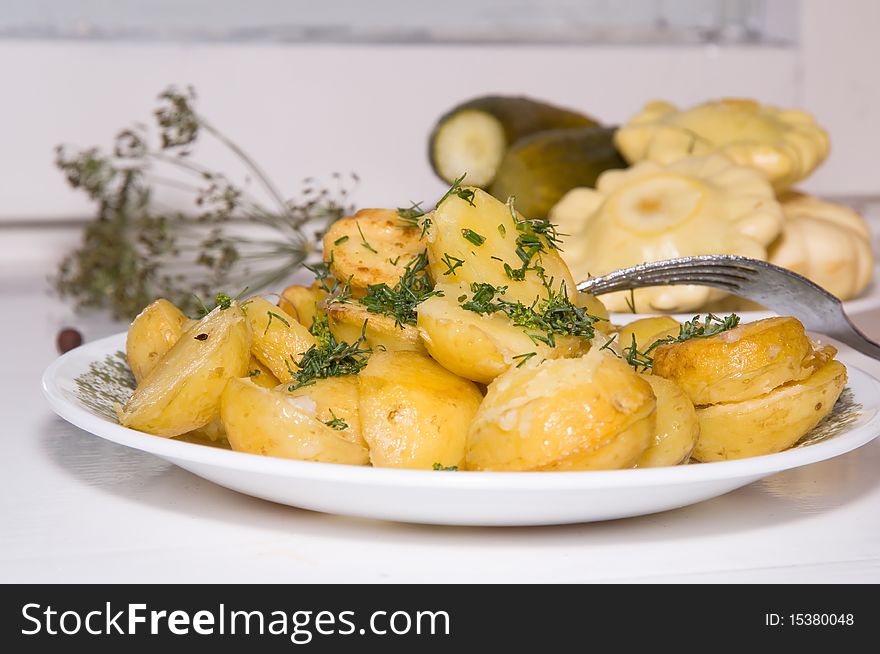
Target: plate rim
(171, 449)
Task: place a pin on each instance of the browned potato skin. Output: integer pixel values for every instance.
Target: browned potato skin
(155, 331)
(347, 319)
(352, 261)
(591, 413)
(275, 344)
(739, 364)
(770, 423)
(302, 302)
(335, 396)
(415, 413)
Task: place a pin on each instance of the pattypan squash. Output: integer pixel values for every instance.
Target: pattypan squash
(825, 242)
(652, 211)
(786, 144)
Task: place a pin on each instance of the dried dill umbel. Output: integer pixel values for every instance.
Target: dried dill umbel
(228, 235)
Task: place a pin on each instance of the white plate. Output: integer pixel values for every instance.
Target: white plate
(460, 498)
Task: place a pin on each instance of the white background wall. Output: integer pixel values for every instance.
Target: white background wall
(314, 109)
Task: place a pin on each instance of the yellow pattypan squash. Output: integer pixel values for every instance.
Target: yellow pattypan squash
(651, 211)
(786, 144)
(825, 242)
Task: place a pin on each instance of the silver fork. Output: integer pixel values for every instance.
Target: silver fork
(778, 289)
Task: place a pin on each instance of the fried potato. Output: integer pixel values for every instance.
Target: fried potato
(155, 331)
(347, 323)
(589, 413)
(278, 340)
(335, 398)
(371, 247)
(739, 364)
(275, 423)
(769, 423)
(490, 220)
(415, 413)
(182, 392)
(647, 331)
(481, 347)
(302, 302)
(677, 427)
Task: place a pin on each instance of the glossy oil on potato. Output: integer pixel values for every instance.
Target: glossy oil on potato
(335, 397)
(415, 413)
(274, 423)
(279, 340)
(739, 364)
(491, 220)
(182, 392)
(371, 247)
(589, 413)
(677, 427)
(770, 423)
(302, 302)
(155, 331)
(347, 320)
(481, 347)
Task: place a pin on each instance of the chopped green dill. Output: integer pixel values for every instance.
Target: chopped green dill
(525, 357)
(631, 301)
(440, 466)
(202, 309)
(330, 358)
(609, 343)
(413, 288)
(502, 230)
(321, 270)
(465, 194)
(364, 239)
(426, 225)
(340, 240)
(336, 423)
(274, 316)
(201, 337)
(534, 237)
(451, 263)
(320, 329)
(254, 373)
(394, 261)
(224, 301)
(550, 316)
(409, 216)
(637, 359)
(462, 298)
(712, 325)
(473, 237)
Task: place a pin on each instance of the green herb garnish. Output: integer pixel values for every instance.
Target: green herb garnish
(274, 316)
(440, 466)
(502, 230)
(336, 423)
(465, 194)
(413, 288)
(631, 301)
(473, 237)
(712, 325)
(451, 263)
(329, 358)
(525, 357)
(409, 216)
(254, 373)
(364, 242)
(340, 240)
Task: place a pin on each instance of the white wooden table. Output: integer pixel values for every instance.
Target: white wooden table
(75, 508)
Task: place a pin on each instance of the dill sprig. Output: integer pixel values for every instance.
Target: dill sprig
(329, 357)
(710, 326)
(550, 316)
(471, 236)
(534, 237)
(441, 467)
(414, 217)
(138, 248)
(465, 194)
(451, 263)
(413, 288)
(336, 423)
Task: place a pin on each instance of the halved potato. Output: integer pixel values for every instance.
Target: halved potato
(481, 347)
(677, 427)
(335, 398)
(302, 302)
(647, 331)
(589, 413)
(769, 423)
(155, 331)
(279, 340)
(347, 323)
(371, 247)
(260, 374)
(415, 413)
(275, 423)
(490, 220)
(182, 392)
(739, 364)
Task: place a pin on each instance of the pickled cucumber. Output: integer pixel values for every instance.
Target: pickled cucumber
(541, 168)
(473, 137)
